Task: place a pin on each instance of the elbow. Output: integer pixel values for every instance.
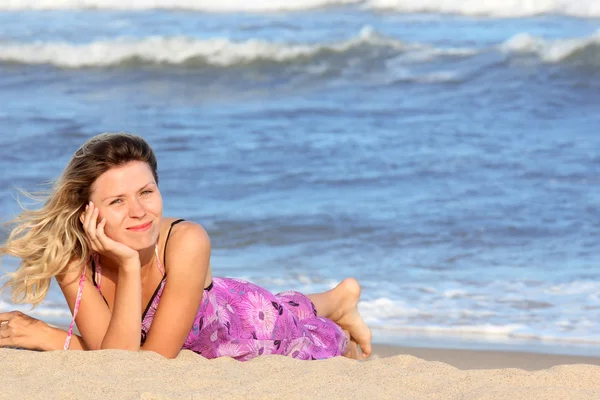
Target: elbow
(169, 355)
(91, 346)
(119, 346)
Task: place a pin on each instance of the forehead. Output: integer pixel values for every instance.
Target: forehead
(129, 177)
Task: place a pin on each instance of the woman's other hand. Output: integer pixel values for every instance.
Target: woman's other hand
(21, 330)
(101, 243)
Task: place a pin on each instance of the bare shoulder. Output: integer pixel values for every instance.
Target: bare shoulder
(186, 231)
(187, 244)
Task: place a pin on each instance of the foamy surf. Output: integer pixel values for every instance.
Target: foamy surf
(220, 52)
(393, 53)
(193, 5)
(494, 8)
(554, 51)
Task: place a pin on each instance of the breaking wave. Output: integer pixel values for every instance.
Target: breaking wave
(219, 52)
(492, 8)
(585, 51)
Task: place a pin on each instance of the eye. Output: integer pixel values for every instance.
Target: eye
(115, 201)
(146, 192)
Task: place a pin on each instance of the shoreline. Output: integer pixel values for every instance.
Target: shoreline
(476, 357)
(484, 359)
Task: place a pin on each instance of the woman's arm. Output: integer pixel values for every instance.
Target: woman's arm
(94, 315)
(125, 325)
(187, 261)
(54, 339)
(23, 331)
(100, 328)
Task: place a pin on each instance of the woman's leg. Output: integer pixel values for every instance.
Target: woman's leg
(340, 305)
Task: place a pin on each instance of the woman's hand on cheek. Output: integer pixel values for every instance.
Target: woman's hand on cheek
(101, 243)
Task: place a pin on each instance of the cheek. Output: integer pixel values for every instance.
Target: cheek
(112, 223)
(109, 230)
(156, 206)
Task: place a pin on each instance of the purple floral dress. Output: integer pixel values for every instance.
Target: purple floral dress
(242, 320)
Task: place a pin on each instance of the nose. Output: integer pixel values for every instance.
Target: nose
(136, 209)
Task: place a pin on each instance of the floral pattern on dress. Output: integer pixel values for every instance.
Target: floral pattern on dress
(241, 320)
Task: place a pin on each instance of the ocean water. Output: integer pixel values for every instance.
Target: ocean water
(444, 153)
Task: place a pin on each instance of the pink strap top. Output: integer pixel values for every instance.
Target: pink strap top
(98, 279)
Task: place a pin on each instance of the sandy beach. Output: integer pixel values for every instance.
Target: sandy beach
(392, 373)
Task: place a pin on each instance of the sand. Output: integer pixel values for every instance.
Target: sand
(391, 374)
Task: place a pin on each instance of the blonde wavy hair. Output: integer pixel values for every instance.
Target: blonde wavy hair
(48, 239)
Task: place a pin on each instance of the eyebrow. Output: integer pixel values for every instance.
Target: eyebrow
(122, 195)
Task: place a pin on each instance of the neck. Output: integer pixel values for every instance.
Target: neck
(147, 257)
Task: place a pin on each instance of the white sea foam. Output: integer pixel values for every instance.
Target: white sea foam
(180, 50)
(223, 52)
(301, 282)
(483, 329)
(195, 5)
(385, 309)
(493, 8)
(552, 51)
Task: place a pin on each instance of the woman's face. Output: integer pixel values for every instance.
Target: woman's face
(129, 199)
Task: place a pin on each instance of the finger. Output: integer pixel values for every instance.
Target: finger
(7, 316)
(100, 235)
(6, 338)
(92, 222)
(83, 215)
(89, 217)
(86, 215)
(4, 331)
(90, 228)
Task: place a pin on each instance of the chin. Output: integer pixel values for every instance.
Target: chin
(139, 245)
(141, 242)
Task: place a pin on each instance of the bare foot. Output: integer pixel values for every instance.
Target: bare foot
(348, 317)
(352, 349)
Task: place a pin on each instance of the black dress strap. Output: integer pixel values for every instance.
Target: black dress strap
(93, 265)
(162, 280)
(167, 241)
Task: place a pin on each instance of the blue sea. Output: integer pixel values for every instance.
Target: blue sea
(444, 153)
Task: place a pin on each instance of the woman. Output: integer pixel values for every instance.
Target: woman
(137, 281)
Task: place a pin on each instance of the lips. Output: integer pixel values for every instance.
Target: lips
(140, 228)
